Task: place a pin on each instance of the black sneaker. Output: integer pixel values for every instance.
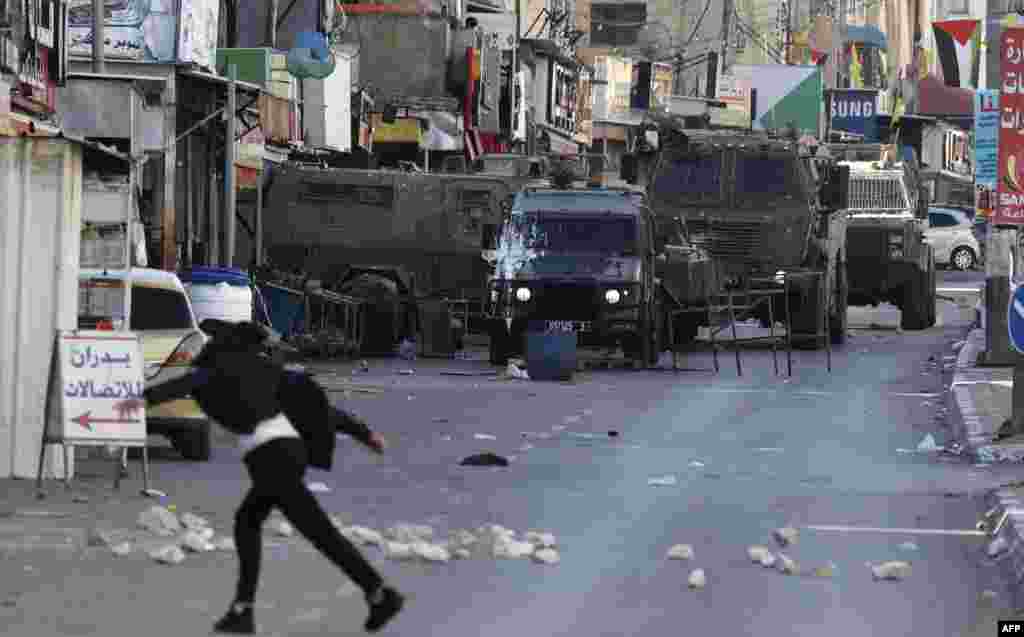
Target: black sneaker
(384, 605)
(237, 621)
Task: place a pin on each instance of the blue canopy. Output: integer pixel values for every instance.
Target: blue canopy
(870, 35)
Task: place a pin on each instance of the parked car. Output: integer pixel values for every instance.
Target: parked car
(162, 316)
(951, 234)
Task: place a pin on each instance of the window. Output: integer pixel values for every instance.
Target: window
(941, 220)
(159, 309)
(957, 7)
(697, 178)
(616, 24)
(575, 234)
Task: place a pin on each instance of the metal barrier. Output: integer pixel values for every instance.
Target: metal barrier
(334, 324)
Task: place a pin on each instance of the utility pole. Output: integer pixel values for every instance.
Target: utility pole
(516, 67)
(99, 36)
(230, 226)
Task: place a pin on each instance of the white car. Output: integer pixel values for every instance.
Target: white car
(951, 234)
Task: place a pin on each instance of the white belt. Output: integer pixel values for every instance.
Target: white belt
(277, 427)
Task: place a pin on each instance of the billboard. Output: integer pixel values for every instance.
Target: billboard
(148, 31)
(736, 95)
(785, 94)
(1010, 185)
(853, 111)
(986, 149)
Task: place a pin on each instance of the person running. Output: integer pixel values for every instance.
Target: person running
(241, 389)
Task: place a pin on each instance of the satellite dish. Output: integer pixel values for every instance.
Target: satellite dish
(311, 57)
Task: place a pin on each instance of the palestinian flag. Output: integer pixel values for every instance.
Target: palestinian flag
(957, 43)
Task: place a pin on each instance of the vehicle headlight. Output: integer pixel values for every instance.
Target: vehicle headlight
(895, 252)
(494, 296)
(612, 296)
(523, 294)
(896, 239)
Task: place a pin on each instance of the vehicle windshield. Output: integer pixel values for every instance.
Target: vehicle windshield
(689, 179)
(159, 309)
(561, 233)
(761, 179)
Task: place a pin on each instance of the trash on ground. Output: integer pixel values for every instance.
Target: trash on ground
(515, 372)
(546, 555)
(122, 549)
(613, 434)
(363, 536)
(787, 565)
(283, 528)
(997, 546)
(541, 539)
(697, 464)
(891, 571)
(786, 535)
(406, 372)
(485, 437)
(484, 460)
(193, 522)
(908, 546)
(195, 542)
(680, 552)
(409, 533)
(431, 552)
(829, 570)
(159, 521)
(170, 554)
(697, 579)
(225, 544)
(760, 555)
(318, 487)
(663, 481)
(928, 444)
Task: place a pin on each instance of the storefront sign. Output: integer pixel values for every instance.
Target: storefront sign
(1010, 186)
(562, 97)
(736, 95)
(853, 111)
(986, 149)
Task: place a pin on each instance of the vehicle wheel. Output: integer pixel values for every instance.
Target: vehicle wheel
(498, 346)
(195, 444)
(838, 319)
(963, 259)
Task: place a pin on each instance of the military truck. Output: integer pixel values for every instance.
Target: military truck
(887, 256)
(392, 237)
(763, 210)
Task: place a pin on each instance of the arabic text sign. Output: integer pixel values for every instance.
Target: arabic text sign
(986, 148)
(96, 371)
(1010, 186)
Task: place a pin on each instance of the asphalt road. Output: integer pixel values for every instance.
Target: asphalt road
(749, 454)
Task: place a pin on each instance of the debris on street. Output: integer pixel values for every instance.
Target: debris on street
(546, 556)
(283, 528)
(540, 539)
(908, 546)
(484, 460)
(318, 487)
(193, 522)
(787, 565)
(195, 541)
(170, 554)
(680, 552)
(891, 571)
(485, 437)
(160, 521)
(761, 555)
(928, 444)
(786, 535)
(697, 579)
(663, 481)
(997, 546)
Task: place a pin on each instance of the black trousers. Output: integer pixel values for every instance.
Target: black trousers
(277, 469)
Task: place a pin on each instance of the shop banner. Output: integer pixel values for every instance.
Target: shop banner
(986, 149)
(1010, 210)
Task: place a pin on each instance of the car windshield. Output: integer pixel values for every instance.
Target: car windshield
(561, 233)
(159, 309)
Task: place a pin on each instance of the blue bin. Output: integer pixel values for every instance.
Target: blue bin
(213, 276)
(286, 309)
(551, 355)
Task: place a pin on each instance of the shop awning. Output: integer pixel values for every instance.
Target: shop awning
(938, 100)
(869, 35)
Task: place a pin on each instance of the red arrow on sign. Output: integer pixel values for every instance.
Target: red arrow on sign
(85, 421)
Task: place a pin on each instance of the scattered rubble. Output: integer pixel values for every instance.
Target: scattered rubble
(785, 536)
(787, 565)
(697, 579)
(663, 481)
(546, 556)
(761, 555)
(170, 554)
(908, 546)
(159, 521)
(680, 552)
(122, 549)
(829, 570)
(195, 541)
(891, 571)
(193, 522)
(540, 539)
(928, 444)
(997, 546)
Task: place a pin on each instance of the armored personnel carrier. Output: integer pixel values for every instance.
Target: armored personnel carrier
(764, 210)
(887, 256)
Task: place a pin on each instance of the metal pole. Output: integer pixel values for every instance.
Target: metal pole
(272, 24)
(259, 216)
(230, 226)
(169, 239)
(190, 211)
(213, 212)
(99, 36)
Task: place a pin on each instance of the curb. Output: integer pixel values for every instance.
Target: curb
(1007, 543)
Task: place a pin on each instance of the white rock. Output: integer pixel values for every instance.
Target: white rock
(196, 543)
(697, 579)
(541, 539)
(431, 552)
(511, 549)
(908, 546)
(495, 531)
(122, 549)
(757, 553)
(787, 565)
(170, 554)
(462, 539)
(225, 544)
(546, 556)
(997, 546)
(362, 535)
(283, 528)
(927, 444)
(680, 552)
(158, 520)
(461, 554)
(485, 437)
(786, 535)
(409, 533)
(398, 551)
(662, 481)
(193, 522)
(767, 560)
(891, 571)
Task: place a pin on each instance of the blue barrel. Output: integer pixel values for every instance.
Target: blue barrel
(286, 309)
(219, 293)
(551, 355)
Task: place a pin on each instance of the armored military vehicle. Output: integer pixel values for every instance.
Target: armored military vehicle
(388, 236)
(887, 256)
(763, 210)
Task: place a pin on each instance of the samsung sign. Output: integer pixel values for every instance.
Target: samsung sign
(853, 111)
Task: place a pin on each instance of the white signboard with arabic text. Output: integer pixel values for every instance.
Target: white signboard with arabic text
(94, 371)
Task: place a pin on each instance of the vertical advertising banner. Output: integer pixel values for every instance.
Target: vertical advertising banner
(1010, 210)
(986, 150)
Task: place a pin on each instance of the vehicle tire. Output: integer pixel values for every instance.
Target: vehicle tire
(498, 348)
(194, 445)
(837, 321)
(963, 259)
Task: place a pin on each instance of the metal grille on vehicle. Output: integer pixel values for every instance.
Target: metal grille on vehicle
(730, 239)
(877, 193)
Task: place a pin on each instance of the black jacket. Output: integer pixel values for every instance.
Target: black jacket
(239, 390)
